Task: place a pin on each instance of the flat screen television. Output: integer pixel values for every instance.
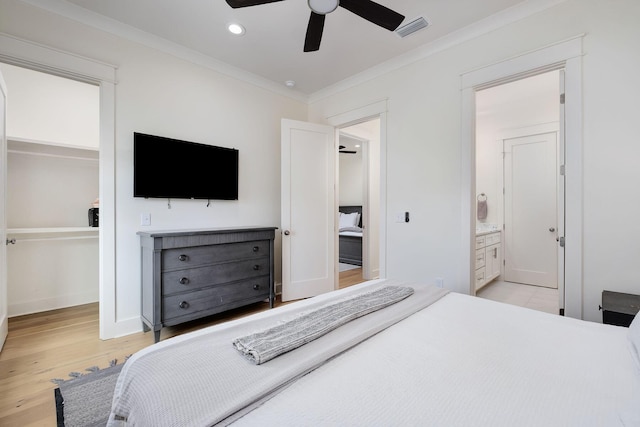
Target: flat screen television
(174, 169)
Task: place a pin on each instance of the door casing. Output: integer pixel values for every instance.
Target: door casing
(565, 55)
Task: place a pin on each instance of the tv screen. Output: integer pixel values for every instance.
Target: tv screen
(174, 169)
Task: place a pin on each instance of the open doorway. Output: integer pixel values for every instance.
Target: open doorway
(519, 190)
(359, 202)
(52, 177)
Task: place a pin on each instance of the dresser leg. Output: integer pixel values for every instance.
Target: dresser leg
(145, 328)
(156, 335)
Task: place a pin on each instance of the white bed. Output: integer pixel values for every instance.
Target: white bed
(461, 361)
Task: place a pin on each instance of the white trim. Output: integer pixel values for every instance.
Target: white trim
(103, 23)
(529, 63)
(359, 115)
(42, 58)
(52, 303)
(567, 55)
(35, 56)
(4, 317)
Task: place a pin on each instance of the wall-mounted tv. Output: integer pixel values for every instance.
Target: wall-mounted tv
(174, 169)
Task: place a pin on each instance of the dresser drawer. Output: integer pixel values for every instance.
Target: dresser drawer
(479, 277)
(195, 278)
(480, 258)
(492, 239)
(204, 255)
(480, 242)
(190, 303)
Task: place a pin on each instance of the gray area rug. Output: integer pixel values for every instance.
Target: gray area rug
(86, 400)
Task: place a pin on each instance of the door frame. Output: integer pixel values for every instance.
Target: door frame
(4, 303)
(565, 55)
(38, 57)
(367, 269)
(359, 115)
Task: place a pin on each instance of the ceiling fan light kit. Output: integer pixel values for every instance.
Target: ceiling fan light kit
(323, 6)
(366, 9)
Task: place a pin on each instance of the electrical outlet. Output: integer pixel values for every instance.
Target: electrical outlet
(145, 219)
(439, 282)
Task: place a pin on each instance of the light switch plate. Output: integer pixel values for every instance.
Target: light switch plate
(145, 219)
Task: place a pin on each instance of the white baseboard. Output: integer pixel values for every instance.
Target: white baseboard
(53, 303)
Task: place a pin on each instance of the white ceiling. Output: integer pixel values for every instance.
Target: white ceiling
(275, 32)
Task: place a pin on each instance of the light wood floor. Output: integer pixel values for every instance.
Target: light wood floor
(52, 344)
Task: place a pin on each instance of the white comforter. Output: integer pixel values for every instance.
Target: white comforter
(462, 361)
(466, 361)
(200, 379)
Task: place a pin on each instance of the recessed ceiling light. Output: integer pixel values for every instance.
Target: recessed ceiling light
(290, 83)
(323, 6)
(236, 29)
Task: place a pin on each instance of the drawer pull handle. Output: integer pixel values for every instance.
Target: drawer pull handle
(256, 248)
(183, 257)
(256, 287)
(183, 305)
(256, 267)
(183, 281)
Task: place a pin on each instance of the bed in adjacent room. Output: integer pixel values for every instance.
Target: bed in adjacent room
(350, 235)
(429, 357)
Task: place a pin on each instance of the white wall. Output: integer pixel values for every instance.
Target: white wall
(351, 179)
(159, 94)
(49, 108)
(423, 144)
(507, 111)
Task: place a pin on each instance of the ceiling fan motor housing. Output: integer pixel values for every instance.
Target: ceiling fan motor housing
(323, 7)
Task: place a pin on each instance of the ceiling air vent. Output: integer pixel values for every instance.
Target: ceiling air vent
(412, 27)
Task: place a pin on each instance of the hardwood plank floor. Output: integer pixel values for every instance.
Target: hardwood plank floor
(52, 344)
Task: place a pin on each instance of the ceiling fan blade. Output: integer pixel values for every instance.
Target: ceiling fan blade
(374, 12)
(245, 3)
(314, 32)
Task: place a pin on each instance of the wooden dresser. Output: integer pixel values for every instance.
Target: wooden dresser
(189, 274)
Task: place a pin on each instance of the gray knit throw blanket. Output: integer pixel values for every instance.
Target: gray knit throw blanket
(260, 347)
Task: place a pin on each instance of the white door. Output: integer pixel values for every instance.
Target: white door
(4, 320)
(308, 213)
(530, 210)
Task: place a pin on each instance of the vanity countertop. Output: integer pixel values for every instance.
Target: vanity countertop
(483, 229)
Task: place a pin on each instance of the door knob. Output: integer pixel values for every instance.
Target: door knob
(287, 232)
(552, 229)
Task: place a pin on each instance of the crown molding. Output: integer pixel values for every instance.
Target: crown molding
(484, 26)
(103, 23)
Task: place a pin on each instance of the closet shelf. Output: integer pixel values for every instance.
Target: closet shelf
(17, 235)
(52, 230)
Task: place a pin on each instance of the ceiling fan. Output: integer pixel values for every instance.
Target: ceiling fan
(367, 9)
(341, 149)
